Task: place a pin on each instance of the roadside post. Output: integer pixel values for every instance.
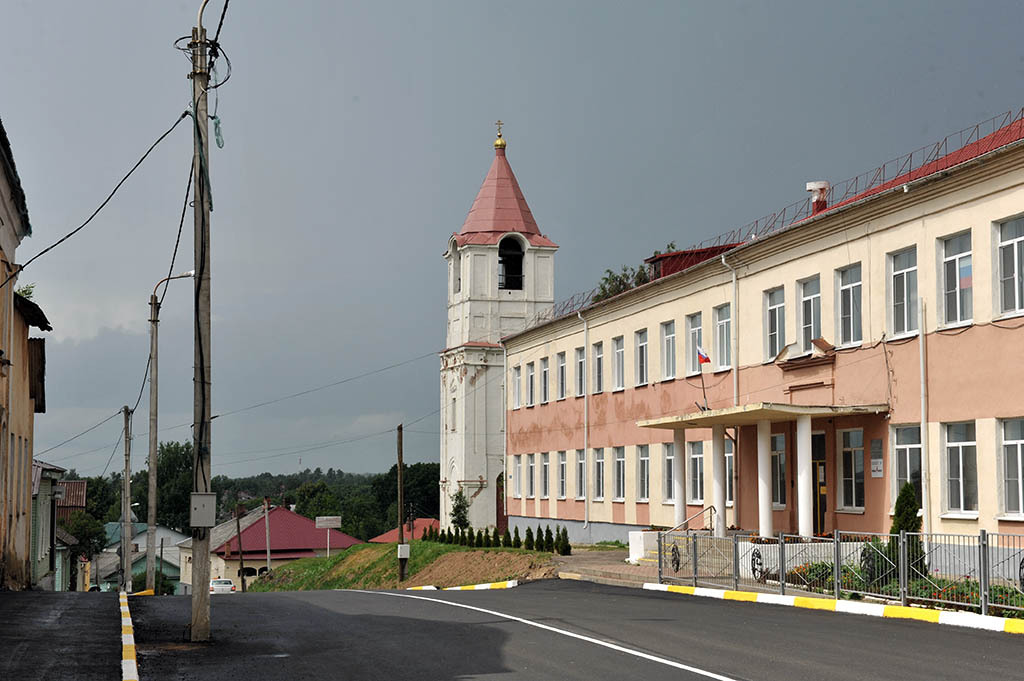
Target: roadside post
(328, 522)
(403, 548)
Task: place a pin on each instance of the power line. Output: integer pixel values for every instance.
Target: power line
(112, 452)
(75, 437)
(220, 24)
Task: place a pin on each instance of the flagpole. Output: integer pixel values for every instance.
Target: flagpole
(702, 389)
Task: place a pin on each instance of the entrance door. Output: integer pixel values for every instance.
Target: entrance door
(820, 484)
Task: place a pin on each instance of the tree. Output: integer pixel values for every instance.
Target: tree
(314, 499)
(495, 538)
(90, 538)
(516, 541)
(506, 540)
(549, 540)
(528, 544)
(906, 519)
(26, 291)
(538, 539)
(460, 510)
(613, 283)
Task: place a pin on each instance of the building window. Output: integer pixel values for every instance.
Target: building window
(851, 473)
(641, 356)
(598, 367)
(517, 387)
(545, 476)
(529, 385)
(581, 372)
(599, 474)
(962, 467)
(618, 363)
(904, 291)
(956, 277)
(694, 339)
(696, 471)
(581, 474)
(1011, 263)
(561, 475)
(668, 350)
(728, 471)
(849, 305)
(778, 446)
(643, 478)
(510, 264)
(531, 480)
(670, 460)
(723, 336)
(810, 312)
(545, 382)
(620, 473)
(1013, 457)
(453, 416)
(775, 321)
(908, 460)
(517, 475)
(560, 374)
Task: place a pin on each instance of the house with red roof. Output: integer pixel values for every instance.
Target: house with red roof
(412, 530)
(292, 536)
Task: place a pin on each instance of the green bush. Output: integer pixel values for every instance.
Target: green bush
(516, 541)
(495, 537)
(164, 584)
(549, 539)
(506, 539)
(538, 539)
(528, 544)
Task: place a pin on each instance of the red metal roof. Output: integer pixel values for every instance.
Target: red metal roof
(289, 532)
(665, 264)
(500, 208)
(419, 526)
(74, 493)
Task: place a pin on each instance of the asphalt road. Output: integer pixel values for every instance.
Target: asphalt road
(565, 630)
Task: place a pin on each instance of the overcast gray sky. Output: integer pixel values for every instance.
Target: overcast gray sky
(356, 137)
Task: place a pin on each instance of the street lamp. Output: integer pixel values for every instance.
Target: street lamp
(154, 318)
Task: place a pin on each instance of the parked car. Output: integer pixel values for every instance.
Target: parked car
(221, 586)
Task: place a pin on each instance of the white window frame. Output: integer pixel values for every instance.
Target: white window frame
(668, 350)
(619, 474)
(960, 447)
(581, 371)
(619, 363)
(810, 313)
(1012, 450)
(695, 473)
(599, 474)
(1012, 282)
(560, 376)
(668, 451)
(780, 490)
(562, 473)
(849, 473)
(531, 393)
(581, 474)
(545, 476)
(641, 358)
(848, 294)
(517, 387)
(531, 472)
(598, 352)
(774, 312)
(643, 473)
(545, 381)
(903, 280)
(962, 297)
(730, 462)
(694, 340)
(723, 337)
(902, 453)
(517, 476)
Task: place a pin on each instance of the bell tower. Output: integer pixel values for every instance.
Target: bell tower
(500, 276)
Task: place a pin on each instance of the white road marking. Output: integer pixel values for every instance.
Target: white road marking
(563, 632)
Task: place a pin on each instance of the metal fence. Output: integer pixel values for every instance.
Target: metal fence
(983, 572)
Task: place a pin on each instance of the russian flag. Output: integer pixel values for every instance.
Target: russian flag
(702, 357)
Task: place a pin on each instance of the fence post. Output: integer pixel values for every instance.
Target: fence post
(983, 575)
(903, 568)
(694, 539)
(735, 562)
(782, 563)
(837, 564)
(661, 553)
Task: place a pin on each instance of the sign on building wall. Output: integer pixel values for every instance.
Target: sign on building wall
(876, 458)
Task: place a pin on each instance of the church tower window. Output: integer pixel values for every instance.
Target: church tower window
(510, 264)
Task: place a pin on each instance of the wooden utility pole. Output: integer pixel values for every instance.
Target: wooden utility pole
(266, 526)
(161, 573)
(239, 511)
(154, 314)
(200, 624)
(126, 505)
(401, 511)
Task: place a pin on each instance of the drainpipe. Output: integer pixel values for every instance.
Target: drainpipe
(586, 416)
(735, 334)
(925, 472)
(504, 439)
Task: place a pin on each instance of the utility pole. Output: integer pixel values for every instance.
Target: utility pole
(161, 564)
(154, 315)
(200, 624)
(239, 511)
(402, 560)
(126, 505)
(266, 526)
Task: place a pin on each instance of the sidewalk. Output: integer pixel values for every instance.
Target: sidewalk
(605, 567)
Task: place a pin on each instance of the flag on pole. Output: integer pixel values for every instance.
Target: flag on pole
(702, 357)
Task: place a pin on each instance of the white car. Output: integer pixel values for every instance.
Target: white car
(221, 586)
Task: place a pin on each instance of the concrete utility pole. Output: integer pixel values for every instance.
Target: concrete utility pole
(200, 625)
(266, 526)
(154, 313)
(401, 512)
(126, 505)
(239, 512)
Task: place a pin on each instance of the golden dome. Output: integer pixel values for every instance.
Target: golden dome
(499, 143)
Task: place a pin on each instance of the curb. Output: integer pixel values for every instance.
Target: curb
(421, 588)
(480, 587)
(973, 620)
(129, 667)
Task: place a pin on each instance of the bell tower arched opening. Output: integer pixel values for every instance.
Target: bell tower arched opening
(510, 264)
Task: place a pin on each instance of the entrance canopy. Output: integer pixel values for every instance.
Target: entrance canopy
(751, 414)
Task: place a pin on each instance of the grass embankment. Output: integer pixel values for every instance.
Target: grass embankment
(375, 566)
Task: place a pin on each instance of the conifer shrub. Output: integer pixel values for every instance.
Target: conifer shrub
(506, 539)
(516, 541)
(538, 539)
(484, 539)
(528, 543)
(495, 537)
(451, 537)
(566, 546)
(549, 539)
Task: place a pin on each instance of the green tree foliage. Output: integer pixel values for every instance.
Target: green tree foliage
(613, 283)
(26, 291)
(460, 510)
(495, 537)
(528, 544)
(315, 499)
(516, 541)
(549, 539)
(90, 538)
(538, 539)
(164, 584)
(174, 487)
(906, 519)
(506, 539)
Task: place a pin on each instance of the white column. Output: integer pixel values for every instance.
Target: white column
(718, 477)
(804, 478)
(764, 479)
(679, 474)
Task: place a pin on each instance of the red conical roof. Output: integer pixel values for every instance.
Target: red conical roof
(500, 208)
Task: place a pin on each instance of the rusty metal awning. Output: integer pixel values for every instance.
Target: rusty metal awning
(750, 414)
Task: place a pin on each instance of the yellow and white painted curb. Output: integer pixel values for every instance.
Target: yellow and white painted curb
(421, 588)
(129, 668)
(479, 587)
(959, 619)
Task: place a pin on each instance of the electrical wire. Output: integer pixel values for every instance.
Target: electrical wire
(112, 452)
(220, 24)
(75, 437)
